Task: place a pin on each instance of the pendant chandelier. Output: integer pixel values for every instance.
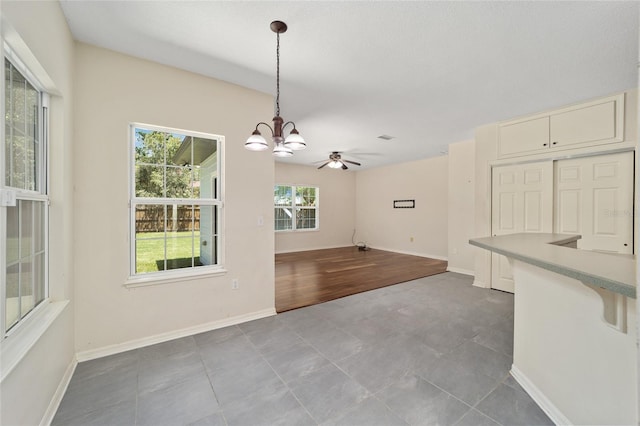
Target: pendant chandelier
(282, 147)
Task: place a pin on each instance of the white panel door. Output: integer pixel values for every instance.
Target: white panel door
(594, 198)
(521, 200)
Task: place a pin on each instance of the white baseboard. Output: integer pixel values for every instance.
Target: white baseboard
(430, 256)
(481, 284)
(57, 396)
(159, 338)
(540, 398)
(310, 249)
(460, 270)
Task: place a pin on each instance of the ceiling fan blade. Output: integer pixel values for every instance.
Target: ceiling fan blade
(344, 166)
(324, 164)
(352, 162)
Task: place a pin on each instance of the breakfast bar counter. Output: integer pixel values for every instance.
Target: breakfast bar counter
(575, 343)
(557, 253)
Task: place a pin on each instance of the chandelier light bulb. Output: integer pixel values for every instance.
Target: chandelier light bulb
(295, 141)
(281, 150)
(256, 142)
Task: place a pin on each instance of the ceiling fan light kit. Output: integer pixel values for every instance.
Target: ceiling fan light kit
(282, 147)
(336, 162)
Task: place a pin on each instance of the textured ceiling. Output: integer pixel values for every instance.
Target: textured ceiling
(427, 73)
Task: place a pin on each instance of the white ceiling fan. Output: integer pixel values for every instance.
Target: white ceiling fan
(336, 162)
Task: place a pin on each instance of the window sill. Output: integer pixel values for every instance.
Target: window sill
(287, 231)
(19, 342)
(169, 278)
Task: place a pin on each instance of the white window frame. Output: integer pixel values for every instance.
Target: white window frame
(296, 208)
(8, 194)
(179, 274)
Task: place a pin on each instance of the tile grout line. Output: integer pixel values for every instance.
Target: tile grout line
(278, 375)
(135, 415)
(370, 394)
(206, 372)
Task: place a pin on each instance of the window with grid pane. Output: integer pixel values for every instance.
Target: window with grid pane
(176, 200)
(296, 207)
(25, 227)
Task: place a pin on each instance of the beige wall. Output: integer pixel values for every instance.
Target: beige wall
(461, 213)
(383, 227)
(337, 207)
(113, 90)
(38, 33)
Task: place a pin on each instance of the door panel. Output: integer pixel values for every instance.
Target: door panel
(597, 202)
(522, 197)
(569, 218)
(506, 211)
(533, 204)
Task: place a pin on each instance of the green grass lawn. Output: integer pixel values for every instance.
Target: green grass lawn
(182, 247)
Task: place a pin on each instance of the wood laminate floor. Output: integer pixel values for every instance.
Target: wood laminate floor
(310, 277)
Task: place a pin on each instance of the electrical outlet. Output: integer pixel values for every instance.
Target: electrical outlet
(234, 284)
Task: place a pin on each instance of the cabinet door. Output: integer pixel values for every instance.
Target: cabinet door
(583, 125)
(594, 198)
(521, 201)
(523, 137)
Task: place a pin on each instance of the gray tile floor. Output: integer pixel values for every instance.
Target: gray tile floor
(434, 351)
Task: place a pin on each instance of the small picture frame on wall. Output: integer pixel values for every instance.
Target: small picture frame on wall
(404, 204)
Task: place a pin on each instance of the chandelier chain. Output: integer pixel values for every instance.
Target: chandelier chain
(278, 75)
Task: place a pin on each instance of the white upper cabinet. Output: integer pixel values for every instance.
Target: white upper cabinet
(524, 137)
(587, 124)
(591, 123)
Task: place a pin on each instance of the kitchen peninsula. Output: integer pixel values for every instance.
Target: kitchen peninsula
(575, 340)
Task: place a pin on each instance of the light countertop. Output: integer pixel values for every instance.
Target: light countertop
(610, 271)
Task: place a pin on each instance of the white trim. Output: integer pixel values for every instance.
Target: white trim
(311, 248)
(430, 256)
(172, 276)
(296, 231)
(19, 48)
(23, 69)
(460, 271)
(176, 334)
(566, 154)
(54, 404)
(378, 248)
(14, 348)
(540, 398)
(163, 277)
(295, 208)
(480, 283)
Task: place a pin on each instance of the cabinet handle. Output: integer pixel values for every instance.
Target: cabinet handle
(544, 144)
(555, 143)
